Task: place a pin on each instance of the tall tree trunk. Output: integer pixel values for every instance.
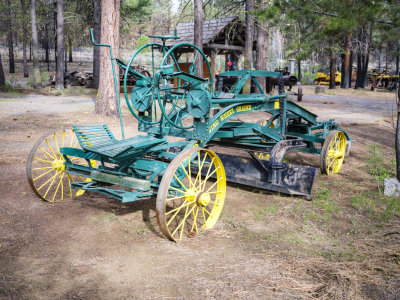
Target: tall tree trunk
(398, 58)
(198, 34)
(332, 69)
(350, 70)
(359, 71)
(2, 78)
(35, 54)
(299, 70)
(60, 46)
(248, 45)
(47, 55)
(24, 38)
(10, 38)
(397, 138)
(55, 34)
(70, 49)
(65, 59)
(262, 45)
(97, 36)
(106, 103)
(346, 75)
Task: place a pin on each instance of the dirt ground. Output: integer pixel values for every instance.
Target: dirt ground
(345, 244)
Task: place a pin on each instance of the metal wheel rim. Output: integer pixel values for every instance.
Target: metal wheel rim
(182, 211)
(45, 168)
(333, 152)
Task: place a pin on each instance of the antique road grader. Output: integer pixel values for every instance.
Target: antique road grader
(183, 172)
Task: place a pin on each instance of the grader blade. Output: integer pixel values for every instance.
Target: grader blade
(271, 174)
(292, 179)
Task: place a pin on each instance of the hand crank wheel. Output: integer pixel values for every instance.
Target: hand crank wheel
(191, 194)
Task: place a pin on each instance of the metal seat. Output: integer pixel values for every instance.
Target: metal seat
(99, 139)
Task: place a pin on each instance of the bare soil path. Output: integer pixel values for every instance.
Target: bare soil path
(342, 245)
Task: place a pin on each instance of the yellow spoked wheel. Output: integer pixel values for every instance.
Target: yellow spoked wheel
(333, 152)
(46, 169)
(191, 194)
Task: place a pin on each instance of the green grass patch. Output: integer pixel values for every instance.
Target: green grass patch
(44, 76)
(272, 209)
(376, 206)
(377, 165)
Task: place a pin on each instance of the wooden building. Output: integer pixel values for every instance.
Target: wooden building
(224, 36)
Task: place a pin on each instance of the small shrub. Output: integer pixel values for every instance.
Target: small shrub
(143, 40)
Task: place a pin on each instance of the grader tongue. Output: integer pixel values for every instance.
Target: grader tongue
(185, 175)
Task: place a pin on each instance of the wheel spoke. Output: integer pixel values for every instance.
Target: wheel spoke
(47, 181)
(40, 148)
(174, 215)
(205, 180)
(40, 176)
(213, 185)
(174, 198)
(63, 138)
(70, 179)
(44, 168)
(48, 189)
(180, 182)
(182, 223)
(178, 208)
(55, 193)
(200, 168)
(55, 139)
(178, 190)
(194, 220)
(187, 175)
(48, 144)
(42, 160)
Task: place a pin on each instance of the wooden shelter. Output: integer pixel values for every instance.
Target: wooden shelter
(224, 36)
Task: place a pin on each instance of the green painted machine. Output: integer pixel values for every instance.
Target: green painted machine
(193, 143)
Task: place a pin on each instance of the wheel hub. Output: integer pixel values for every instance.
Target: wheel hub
(58, 164)
(190, 195)
(203, 198)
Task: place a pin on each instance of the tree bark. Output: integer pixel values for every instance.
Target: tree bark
(24, 38)
(10, 38)
(60, 45)
(262, 45)
(350, 70)
(248, 46)
(65, 59)
(70, 50)
(299, 70)
(2, 78)
(106, 103)
(397, 59)
(198, 34)
(346, 75)
(97, 37)
(397, 138)
(46, 33)
(332, 69)
(35, 55)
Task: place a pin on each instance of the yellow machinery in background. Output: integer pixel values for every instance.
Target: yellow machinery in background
(324, 79)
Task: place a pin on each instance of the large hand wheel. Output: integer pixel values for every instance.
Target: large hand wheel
(188, 200)
(143, 94)
(171, 104)
(46, 169)
(333, 152)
